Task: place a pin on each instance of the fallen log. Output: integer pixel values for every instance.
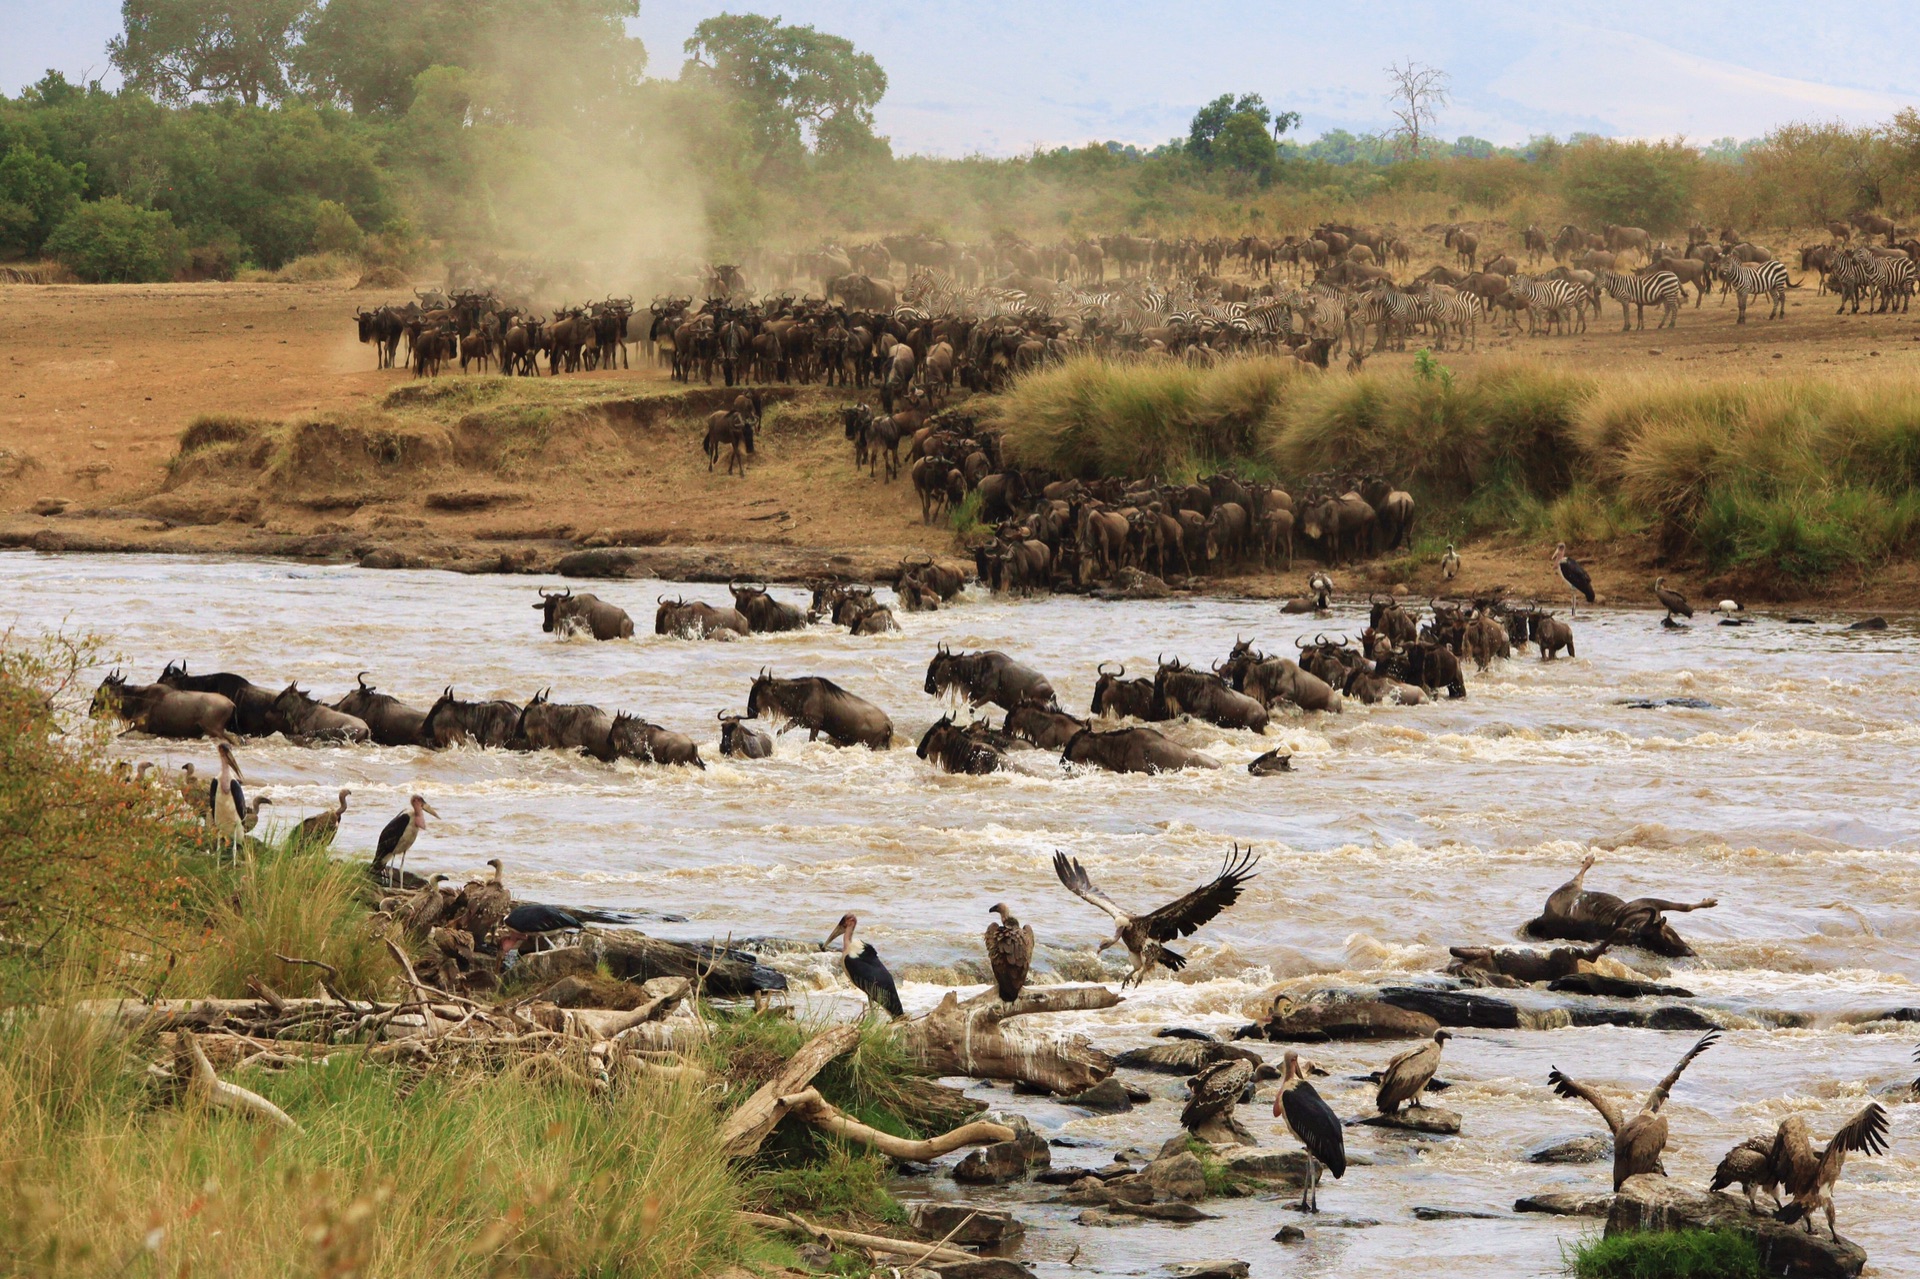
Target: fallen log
(969, 1039)
(216, 1091)
(810, 1106)
(717, 972)
(757, 1116)
(791, 1224)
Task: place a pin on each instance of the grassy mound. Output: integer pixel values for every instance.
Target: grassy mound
(1677, 1254)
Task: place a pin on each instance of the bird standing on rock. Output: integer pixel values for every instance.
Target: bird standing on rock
(1409, 1073)
(1672, 601)
(864, 969)
(1809, 1175)
(1314, 1124)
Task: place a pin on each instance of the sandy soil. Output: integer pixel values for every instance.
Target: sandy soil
(97, 383)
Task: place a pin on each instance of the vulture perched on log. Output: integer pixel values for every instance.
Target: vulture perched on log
(1143, 935)
(1313, 1122)
(1639, 1141)
(1672, 601)
(1409, 1073)
(1009, 952)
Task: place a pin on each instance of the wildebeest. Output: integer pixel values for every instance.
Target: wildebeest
(1274, 761)
(1340, 525)
(250, 701)
(634, 738)
(737, 740)
(988, 676)
(450, 721)
(765, 613)
(697, 620)
(1044, 726)
(943, 578)
(562, 726)
(391, 721)
(1180, 690)
(821, 707)
(1117, 697)
(952, 749)
(1485, 639)
(1576, 913)
(164, 711)
(732, 432)
(1551, 634)
(303, 719)
(1132, 750)
(1268, 680)
(567, 613)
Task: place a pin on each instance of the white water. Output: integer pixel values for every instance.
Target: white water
(1402, 831)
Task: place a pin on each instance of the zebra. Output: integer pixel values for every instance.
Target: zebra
(1748, 279)
(1392, 311)
(1661, 288)
(1451, 308)
(1854, 271)
(1548, 302)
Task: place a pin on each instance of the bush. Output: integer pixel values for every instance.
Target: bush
(1676, 1254)
(334, 230)
(1644, 184)
(113, 242)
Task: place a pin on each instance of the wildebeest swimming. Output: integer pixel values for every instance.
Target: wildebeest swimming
(821, 707)
(987, 677)
(567, 613)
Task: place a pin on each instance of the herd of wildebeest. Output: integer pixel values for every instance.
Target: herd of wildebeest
(975, 314)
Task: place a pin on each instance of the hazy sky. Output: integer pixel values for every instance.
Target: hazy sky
(1002, 76)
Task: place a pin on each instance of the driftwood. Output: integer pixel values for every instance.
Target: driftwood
(757, 1116)
(634, 957)
(969, 1039)
(216, 1091)
(810, 1106)
(792, 1224)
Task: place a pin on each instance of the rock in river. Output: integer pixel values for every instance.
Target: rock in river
(1429, 1119)
(1589, 1148)
(986, 1226)
(1652, 1202)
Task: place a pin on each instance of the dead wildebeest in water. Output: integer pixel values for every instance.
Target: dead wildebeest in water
(567, 613)
(1132, 750)
(1044, 726)
(163, 711)
(1574, 913)
(696, 620)
(987, 677)
(952, 749)
(765, 613)
(1273, 762)
(1521, 965)
(739, 741)
(821, 707)
(250, 701)
(302, 719)
(451, 721)
(391, 721)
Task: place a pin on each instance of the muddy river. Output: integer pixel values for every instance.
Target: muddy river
(1403, 830)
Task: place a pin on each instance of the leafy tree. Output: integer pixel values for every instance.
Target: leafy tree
(1210, 122)
(1244, 144)
(37, 192)
(1643, 184)
(797, 84)
(113, 242)
(178, 50)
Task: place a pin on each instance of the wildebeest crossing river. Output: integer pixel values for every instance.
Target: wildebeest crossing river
(1400, 832)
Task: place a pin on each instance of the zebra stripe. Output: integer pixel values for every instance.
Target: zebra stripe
(1548, 302)
(1749, 279)
(1656, 288)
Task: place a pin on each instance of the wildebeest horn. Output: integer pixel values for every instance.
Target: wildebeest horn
(1301, 644)
(660, 599)
(766, 672)
(361, 680)
(569, 594)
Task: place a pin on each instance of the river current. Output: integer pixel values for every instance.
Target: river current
(1402, 830)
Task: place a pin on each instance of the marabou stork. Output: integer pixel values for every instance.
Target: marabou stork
(1637, 1142)
(1143, 935)
(1409, 1073)
(1009, 952)
(1672, 601)
(1449, 564)
(319, 829)
(1313, 1122)
(1573, 575)
(1809, 1175)
(536, 922)
(397, 836)
(228, 802)
(865, 969)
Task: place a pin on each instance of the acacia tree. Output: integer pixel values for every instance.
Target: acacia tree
(182, 49)
(798, 85)
(1416, 94)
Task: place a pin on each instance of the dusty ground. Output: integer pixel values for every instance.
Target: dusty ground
(97, 384)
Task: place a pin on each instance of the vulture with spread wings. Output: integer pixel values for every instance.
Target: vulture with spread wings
(1639, 1141)
(1809, 1175)
(1144, 935)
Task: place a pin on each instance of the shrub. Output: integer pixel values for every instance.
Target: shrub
(1644, 184)
(113, 242)
(334, 230)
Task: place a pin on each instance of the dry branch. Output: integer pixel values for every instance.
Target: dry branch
(749, 1125)
(792, 1224)
(822, 1114)
(969, 1039)
(216, 1091)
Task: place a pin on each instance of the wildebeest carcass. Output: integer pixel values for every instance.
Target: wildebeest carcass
(1117, 697)
(765, 613)
(451, 721)
(697, 620)
(952, 749)
(634, 738)
(1046, 727)
(303, 719)
(1576, 913)
(567, 613)
(821, 707)
(1180, 690)
(391, 721)
(987, 677)
(1132, 750)
(739, 741)
(250, 701)
(163, 711)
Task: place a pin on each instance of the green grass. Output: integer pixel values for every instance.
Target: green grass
(966, 517)
(1678, 1254)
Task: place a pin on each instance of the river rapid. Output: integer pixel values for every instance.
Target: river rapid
(1402, 830)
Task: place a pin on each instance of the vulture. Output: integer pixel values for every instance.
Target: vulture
(319, 829)
(397, 836)
(1143, 935)
(1637, 1142)
(1672, 601)
(1214, 1092)
(1009, 952)
(1449, 564)
(251, 818)
(1751, 1164)
(1573, 575)
(1313, 1122)
(428, 907)
(865, 969)
(189, 784)
(488, 902)
(1409, 1073)
(1808, 1175)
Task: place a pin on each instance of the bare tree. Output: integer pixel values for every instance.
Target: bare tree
(1417, 94)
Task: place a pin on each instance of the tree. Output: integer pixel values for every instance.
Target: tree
(36, 194)
(113, 242)
(1415, 96)
(177, 50)
(1211, 122)
(1643, 184)
(797, 84)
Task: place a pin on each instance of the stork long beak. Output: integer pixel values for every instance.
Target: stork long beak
(430, 808)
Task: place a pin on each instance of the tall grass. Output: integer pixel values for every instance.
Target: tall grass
(1667, 1254)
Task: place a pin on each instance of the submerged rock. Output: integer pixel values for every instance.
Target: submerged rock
(1423, 1213)
(1290, 1234)
(1455, 1007)
(1563, 1203)
(1220, 1269)
(1108, 1097)
(1590, 1148)
(964, 1224)
(982, 1268)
